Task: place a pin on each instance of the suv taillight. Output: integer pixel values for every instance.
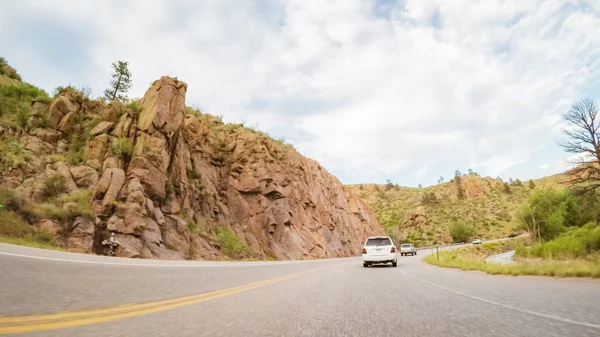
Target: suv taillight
(393, 250)
(364, 250)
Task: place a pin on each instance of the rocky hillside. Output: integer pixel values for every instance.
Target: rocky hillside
(424, 215)
(171, 182)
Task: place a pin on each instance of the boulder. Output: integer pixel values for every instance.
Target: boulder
(152, 233)
(176, 235)
(93, 107)
(112, 111)
(81, 237)
(63, 170)
(68, 121)
(163, 106)
(133, 224)
(96, 148)
(39, 108)
(113, 162)
(129, 246)
(50, 227)
(103, 127)
(84, 176)
(107, 189)
(123, 127)
(48, 135)
(60, 107)
(37, 145)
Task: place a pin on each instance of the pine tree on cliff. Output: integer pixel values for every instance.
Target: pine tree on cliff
(120, 83)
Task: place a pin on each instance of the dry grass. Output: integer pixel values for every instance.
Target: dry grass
(473, 258)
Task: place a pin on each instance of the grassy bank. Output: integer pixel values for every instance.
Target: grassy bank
(14, 230)
(473, 258)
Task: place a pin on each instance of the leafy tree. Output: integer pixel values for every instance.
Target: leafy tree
(517, 182)
(548, 212)
(457, 173)
(388, 184)
(440, 180)
(499, 179)
(461, 231)
(511, 181)
(531, 184)
(582, 129)
(420, 186)
(120, 83)
(507, 188)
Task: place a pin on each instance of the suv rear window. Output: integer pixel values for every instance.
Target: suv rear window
(406, 246)
(379, 242)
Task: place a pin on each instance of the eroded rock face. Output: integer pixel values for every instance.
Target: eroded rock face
(191, 187)
(64, 109)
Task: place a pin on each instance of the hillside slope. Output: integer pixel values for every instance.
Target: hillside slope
(171, 182)
(424, 215)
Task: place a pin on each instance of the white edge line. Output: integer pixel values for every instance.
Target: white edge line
(557, 318)
(229, 264)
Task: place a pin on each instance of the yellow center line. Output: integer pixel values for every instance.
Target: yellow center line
(120, 308)
(10, 325)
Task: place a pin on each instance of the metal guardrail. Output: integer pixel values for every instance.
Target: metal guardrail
(442, 246)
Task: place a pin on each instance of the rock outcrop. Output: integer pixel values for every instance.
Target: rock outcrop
(177, 185)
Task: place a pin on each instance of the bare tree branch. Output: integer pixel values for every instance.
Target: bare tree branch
(582, 130)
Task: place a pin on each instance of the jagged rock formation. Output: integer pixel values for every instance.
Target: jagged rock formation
(174, 184)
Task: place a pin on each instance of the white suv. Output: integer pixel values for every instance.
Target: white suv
(379, 249)
(408, 248)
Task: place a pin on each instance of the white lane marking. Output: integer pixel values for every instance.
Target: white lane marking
(557, 318)
(230, 264)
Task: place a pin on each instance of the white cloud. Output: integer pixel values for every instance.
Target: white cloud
(442, 85)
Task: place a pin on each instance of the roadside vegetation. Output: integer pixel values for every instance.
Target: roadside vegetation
(473, 258)
(14, 230)
(19, 217)
(562, 222)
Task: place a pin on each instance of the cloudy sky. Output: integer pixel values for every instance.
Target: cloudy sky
(405, 90)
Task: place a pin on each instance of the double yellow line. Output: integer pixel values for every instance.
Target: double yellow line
(9, 325)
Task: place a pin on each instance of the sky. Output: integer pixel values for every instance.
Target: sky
(405, 90)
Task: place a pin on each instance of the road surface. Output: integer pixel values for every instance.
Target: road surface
(48, 293)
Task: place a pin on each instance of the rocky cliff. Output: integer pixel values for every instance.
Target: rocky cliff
(173, 183)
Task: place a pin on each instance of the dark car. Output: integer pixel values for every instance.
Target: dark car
(512, 235)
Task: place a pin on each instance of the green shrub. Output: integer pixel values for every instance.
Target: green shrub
(229, 243)
(169, 189)
(58, 90)
(193, 174)
(15, 102)
(193, 227)
(461, 231)
(573, 243)
(135, 107)
(14, 227)
(7, 70)
(121, 147)
(83, 199)
(12, 153)
(55, 186)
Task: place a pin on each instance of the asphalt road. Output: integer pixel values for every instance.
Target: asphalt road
(47, 293)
